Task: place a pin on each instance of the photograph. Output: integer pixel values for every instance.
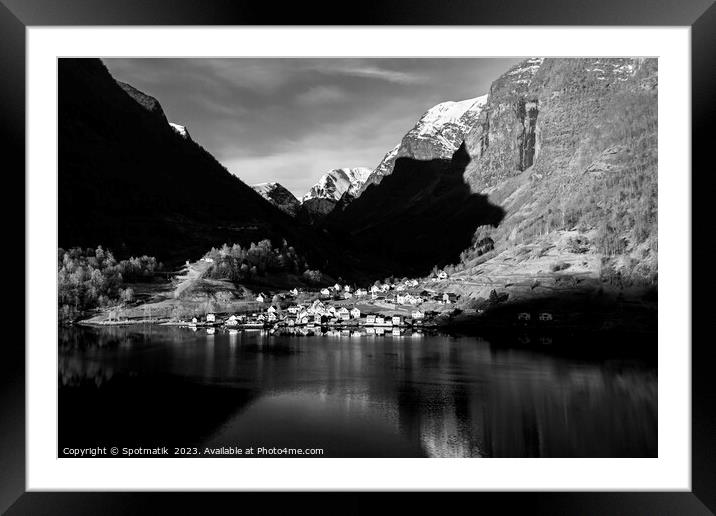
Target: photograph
(341, 257)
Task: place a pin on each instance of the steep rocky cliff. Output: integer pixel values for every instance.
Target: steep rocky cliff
(568, 148)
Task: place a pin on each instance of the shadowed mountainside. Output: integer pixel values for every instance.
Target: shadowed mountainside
(423, 214)
(131, 183)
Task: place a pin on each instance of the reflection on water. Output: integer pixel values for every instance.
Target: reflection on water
(408, 395)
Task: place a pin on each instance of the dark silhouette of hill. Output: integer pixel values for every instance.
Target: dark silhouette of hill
(129, 182)
(423, 214)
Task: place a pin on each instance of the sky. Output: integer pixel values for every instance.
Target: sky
(292, 120)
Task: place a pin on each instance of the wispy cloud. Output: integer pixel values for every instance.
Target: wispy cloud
(320, 95)
(371, 72)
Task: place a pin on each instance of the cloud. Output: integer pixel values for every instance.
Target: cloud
(319, 95)
(369, 72)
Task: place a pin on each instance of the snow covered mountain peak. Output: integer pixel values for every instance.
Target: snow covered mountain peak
(437, 135)
(335, 183)
(447, 112)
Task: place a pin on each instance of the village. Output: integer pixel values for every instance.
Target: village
(392, 308)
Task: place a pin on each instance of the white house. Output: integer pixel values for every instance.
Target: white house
(379, 320)
(355, 313)
(272, 317)
(343, 314)
(293, 309)
(361, 292)
(347, 295)
(374, 289)
(347, 288)
(272, 309)
(337, 286)
(260, 298)
(396, 320)
(210, 318)
(294, 292)
(232, 321)
(442, 275)
(193, 320)
(385, 287)
(400, 288)
(446, 298)
(545, 316)
(370, 319)
(418, 314)
(325, 292)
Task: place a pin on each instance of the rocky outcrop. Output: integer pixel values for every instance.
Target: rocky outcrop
(146, 101)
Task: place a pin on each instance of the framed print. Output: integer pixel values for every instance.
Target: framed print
(432, 250)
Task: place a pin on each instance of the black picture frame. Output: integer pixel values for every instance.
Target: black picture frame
(17, 15)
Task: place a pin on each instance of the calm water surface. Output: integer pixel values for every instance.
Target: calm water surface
(352, 396)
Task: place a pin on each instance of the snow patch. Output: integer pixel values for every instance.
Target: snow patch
(180, 129)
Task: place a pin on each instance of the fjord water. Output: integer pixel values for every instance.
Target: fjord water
(353, 396)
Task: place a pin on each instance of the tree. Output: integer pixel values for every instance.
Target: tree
(127, 295)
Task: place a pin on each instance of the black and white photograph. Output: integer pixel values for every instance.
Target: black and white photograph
(357, 257)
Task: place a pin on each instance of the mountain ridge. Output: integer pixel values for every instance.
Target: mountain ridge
(130, 182)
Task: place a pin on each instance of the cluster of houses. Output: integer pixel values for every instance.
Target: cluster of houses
(377, 293)
(321, 312)
(314, 314)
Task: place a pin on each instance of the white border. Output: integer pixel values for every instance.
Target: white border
(671, 471)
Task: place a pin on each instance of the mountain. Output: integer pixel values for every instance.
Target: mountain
(558, 166)
(131, 182)
(568, 148)
(436, 135)
(338, 185)
(279, 196)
